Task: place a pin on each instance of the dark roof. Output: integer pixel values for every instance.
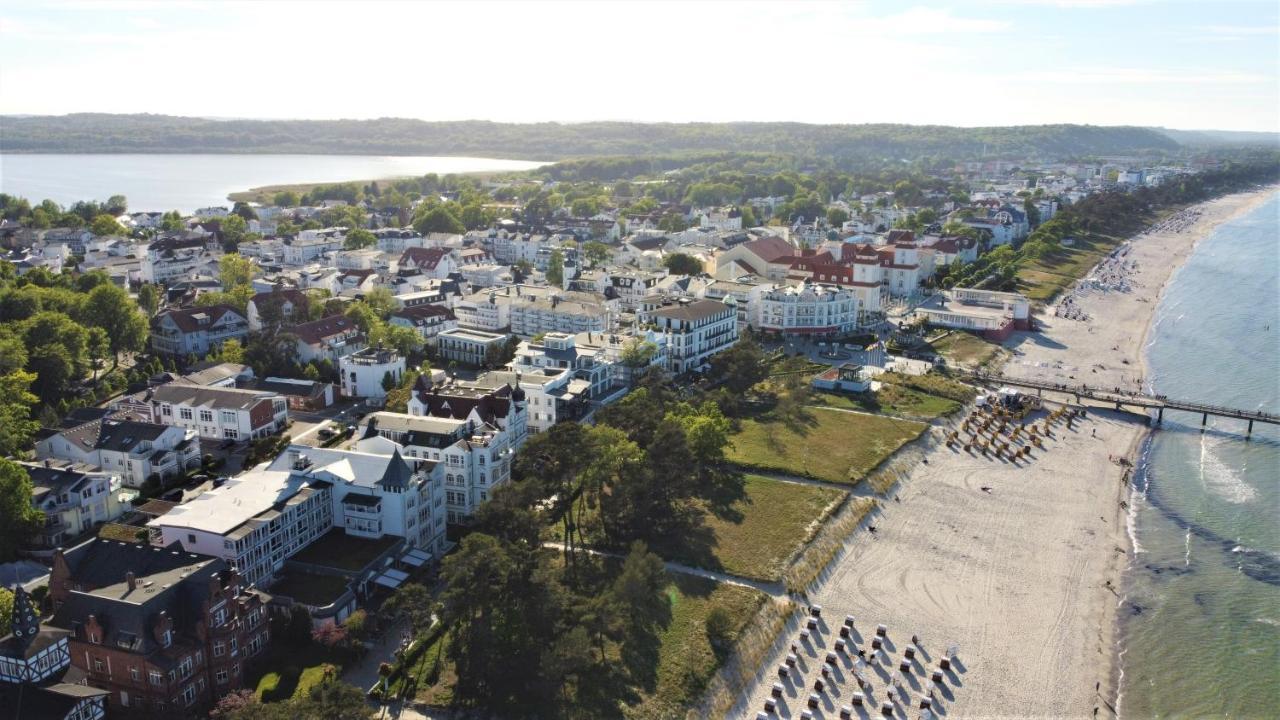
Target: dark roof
(187, 318)
(458, 402)
(99, 563)
(213, 397)
(361, 500)
(47, 703)
(113, 434)
(57, 478)
(279, 295)
(398, 474)
(419, 314)
(317, 331)
(696, 310)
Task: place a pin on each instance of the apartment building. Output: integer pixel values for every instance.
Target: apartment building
(131, 449)
(476, 456)
(217, 412)
(330, 338)
(260, 519)
(74, 498)
(469, 347)
(695, 331)
(169, 259)
(426, 320)
(165, 632)
(561, 312)
(196, 331)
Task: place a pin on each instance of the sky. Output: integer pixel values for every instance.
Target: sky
(1190, 64)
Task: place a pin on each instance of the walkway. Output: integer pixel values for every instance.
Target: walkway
(772, 589)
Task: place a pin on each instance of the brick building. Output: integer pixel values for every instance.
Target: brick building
(165, 632)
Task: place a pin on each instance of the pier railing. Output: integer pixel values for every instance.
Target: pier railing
(1122, 399)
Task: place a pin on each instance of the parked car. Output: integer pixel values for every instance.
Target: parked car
(174, 495)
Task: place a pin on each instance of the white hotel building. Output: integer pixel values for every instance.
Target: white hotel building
(807, 309)
(258, 520)
(695, 331)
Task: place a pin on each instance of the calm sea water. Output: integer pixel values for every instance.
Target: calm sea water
(1200, 631)
(187, 182)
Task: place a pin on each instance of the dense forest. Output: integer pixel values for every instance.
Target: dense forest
(93, 132)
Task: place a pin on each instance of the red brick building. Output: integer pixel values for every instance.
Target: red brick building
(165, 631)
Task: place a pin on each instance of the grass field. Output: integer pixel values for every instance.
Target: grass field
(686, 660)
(891, 399)
(286, 678)
(964, 348)
(823, 444)
(757, 534)
(1044, 278)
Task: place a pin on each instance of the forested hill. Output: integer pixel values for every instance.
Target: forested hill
(554, 141)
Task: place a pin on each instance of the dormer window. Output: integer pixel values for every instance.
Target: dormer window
(167, 638)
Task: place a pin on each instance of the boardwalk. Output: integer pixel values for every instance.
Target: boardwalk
(1122, 399)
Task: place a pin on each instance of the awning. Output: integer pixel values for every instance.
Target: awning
(415, 558)
(391, 578)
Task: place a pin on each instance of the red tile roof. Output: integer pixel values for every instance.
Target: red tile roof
(423, 258)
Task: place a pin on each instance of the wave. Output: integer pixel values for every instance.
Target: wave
(1219, 478)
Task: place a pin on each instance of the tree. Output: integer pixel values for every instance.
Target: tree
(397, 399)
(16, 426)
(719, 626)
(231, 351)
(741, 366)
(172, 221)
(233, 229)
(116, 205)
(405, 341)
(836, 216)
(111, 309)
(555, 269)
(596, 252)
(359, 238)
(244, 210)
(682, 264)
(149, 298)
(6, 607)
(98, 347)
(235, 270)
(21, 518)
(285, 198)
(438, 219)
(55, 370)
(638, 353)
(104, 225)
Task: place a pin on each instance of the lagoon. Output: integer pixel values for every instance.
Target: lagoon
(187, 182)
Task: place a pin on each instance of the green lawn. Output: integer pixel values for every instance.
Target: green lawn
(284, 677)
(759, 533)
(891, 399)
(823, 444)
(1044, 278)
(964, 348)
(686, 660)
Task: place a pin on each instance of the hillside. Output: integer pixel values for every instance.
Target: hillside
(553, 141)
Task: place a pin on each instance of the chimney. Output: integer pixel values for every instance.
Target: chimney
(129, 578)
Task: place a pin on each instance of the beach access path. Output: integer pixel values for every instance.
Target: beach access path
(1017, 564)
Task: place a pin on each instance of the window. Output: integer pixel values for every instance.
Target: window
(184, 413)
(206, 416)
(189, 695)
(231, 434)
(221, 677)
(155, 677)
(135, 674)
(97, 665)
(219, 649)
(228, 416)
(167, 639)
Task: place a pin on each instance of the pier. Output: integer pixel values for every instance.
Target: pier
(1122, 400)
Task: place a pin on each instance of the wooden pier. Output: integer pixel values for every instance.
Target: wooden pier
(1123, 400)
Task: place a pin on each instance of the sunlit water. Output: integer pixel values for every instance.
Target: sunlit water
(1200, 628)
(187, 182)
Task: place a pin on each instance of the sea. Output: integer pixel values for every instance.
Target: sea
(188, 182)
(1199, 624)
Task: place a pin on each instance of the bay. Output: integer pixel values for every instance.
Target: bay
(188, 182)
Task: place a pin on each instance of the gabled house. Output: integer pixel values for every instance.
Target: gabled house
(74, 498)
(279, 306)
(328, 338)
(427, 320)
(131, 449)
(432, 262)
(196, 331)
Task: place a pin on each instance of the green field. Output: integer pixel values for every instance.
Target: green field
(964, 348)
(823, 444)
(1044, 278)
(686, 660)
(757, 534)
(891, 399)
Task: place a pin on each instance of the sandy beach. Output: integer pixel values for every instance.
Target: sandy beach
(1016, 564)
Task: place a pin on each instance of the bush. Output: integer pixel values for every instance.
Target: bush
(719, 624)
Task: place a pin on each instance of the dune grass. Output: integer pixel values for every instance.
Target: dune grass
(822, 444)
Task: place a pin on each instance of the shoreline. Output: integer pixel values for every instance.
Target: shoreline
(1021, 564)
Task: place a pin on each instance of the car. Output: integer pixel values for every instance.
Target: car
(227, 444)
(174, 495)
(220, 480)
(325, 433)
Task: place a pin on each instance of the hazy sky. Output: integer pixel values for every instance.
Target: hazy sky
(1192, 64)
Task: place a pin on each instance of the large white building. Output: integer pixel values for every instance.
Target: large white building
(131, 449)
(311, 245)
(563, 312)
(170, 259)
(476, 456)
(695, 331)
(469, 347)
(258, 520)
(807, 309)
(196, 331)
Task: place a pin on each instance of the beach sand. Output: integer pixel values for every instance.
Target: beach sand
(1023, 576)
